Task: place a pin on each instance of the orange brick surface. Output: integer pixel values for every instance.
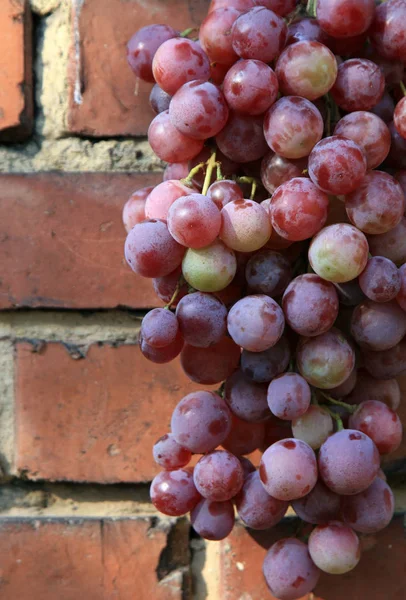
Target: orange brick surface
(16, 102)
(111, 102)
(94, 419)
(62, 241)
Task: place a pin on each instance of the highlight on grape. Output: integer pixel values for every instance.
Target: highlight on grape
(277, 245)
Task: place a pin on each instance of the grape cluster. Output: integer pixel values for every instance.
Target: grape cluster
(277, 240)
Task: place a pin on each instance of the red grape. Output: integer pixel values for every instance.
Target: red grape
(246, 399)
(213, 520)
(292, 127)
(164, 354)
(165, 286)
(380, 423)
(391, 244)
(378, 326)
(319, 507)
(215, 34)
(162, 197)
(385, 107)
(209, 269)
(337, 165)
(250, 87)
(386, 364)
(399, 117)
(173, 493)
(151, 251)
(345, 388)
(169, 454)
(224, 191)
(210, 365)
(343, 19)
(247, 466)
(176, 171)
(397, 155)
(259, 34)
(262, 367)
(245, 225)
(194, 221)
(241, 5)
(401, 297)
(134, 208)
(142, 47)
(257, 509)
(359, 85)
(388, 33)
(178, 61)
(244, 437)
(201, 421)
(168, 143)
(371, 510)
(334, 548)
(289, 396)
(348, 462)
(242, 139)
(369, 132)
(369, 388)
(288, 469)
(218, 476)
(256, 322)
(305, 29)
(276, 170)
(202, 319)
(310, 305)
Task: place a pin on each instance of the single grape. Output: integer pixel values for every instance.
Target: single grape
(262, 367)
(142, 47)
(194, 221)
(385, 107)
(399, 117)
(345, 388)
(371, 510)
(319, 507)
(348, 462)
(380, 280)
(326, 360)
(245, 226)
(178, 61)
(209, 269)
(201, 421)
(257, 509)
(159, 328)
(213, 520)
(256, 323)
(310, 305)
(387, 33)
(250, 87)
(218, 476)
(314, 427)
(369, 132)
(401, 296)
(174, 493)
(162, 355)
(386, 364)
(159, 100)
(298, 209)
(215, 34)
(134, 208)
(369, 388)
(199, 110)
(289, 571)
(166, 286)
(345, 19)
(289, 396)
(337, 165)
(292, 127)
(176, 171)
(276, 170)
(210, 365)
(288, 469)
(305, 29)
(244, 437)
(242, 140)
(380, 423)
(391, 244)
(334, 548)
(259, 34)
(378, 326)
(202, 319)
(168, 143)
(170, 455)
(151, 251)
(224, 191)
(246, 399)
(268, 272)
(339, 253)
(307, 69)
(162, 197)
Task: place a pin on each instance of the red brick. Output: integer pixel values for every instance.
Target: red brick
(110, 105)
(66, 560)
(94, 419)
(62, 241)
(379, 575)
(16, 101)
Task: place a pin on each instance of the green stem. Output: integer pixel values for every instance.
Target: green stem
(402, 87)
(311, 8)
(211, 163)
(350, 407)
(253, 190)
(187, 32)
(336, 417)
(220, 175)
(188, 180)
(175, 294)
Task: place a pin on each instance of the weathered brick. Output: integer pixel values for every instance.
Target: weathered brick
(379, 575)
(98, 560)
(105, 99)
(62, 240)
(16, 101)
(94, 419)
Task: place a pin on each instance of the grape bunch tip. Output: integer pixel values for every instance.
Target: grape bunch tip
(277, 245)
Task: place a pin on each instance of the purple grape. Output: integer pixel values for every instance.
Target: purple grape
(262, 367)
(380, 280)
(256, 508)
(288, 469)
(142, 47)
(213, 520)
(159, 100)
(218, 476)
(213, 364)
(319, 507)
(242, 140)
(276, 170)
(268, 272)
(159, 328)
(201, 421)
(164, 354)
(378, 326)
(202, 319)
(386, 364)
(256, 323)
(174, 493)
(244, 437)
(246, 399)
(247, 466)
(289, 396)
(371, 510)
(391, 244)
(334, 548)
(169, 455)
(380, 423)
(369, 388)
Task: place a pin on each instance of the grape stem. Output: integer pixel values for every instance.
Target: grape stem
(188, 180)
(175, 294)
(187, 32)
(250, 180)
(351, 408)
(211, 163)
(402, 87)
(220, 175)
(336, 417)
(311, 8)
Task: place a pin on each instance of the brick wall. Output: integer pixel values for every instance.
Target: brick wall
(79, 407)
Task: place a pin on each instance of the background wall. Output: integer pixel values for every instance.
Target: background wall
(79, 407)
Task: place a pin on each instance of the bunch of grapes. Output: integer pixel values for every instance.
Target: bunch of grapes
(277, 240)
